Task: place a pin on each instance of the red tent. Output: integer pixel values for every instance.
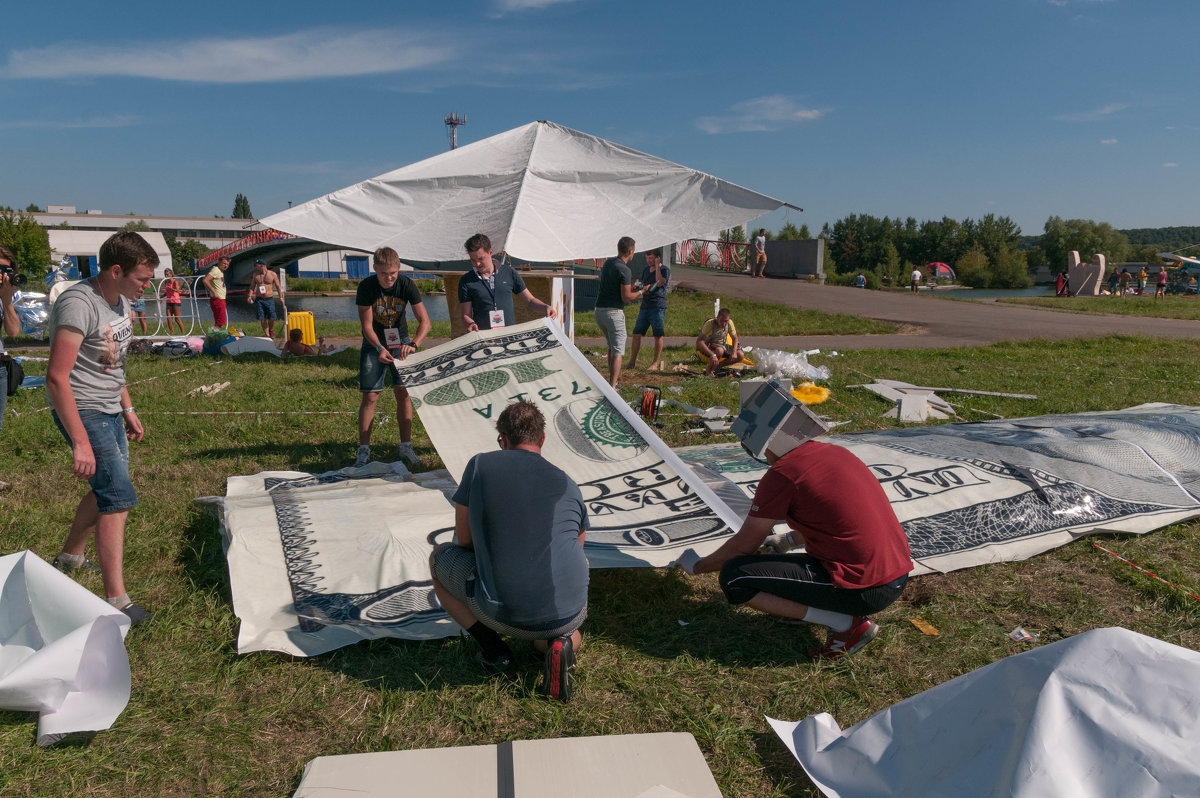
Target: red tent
(941, 271)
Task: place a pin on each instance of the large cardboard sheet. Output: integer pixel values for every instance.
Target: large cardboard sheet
(320, 562)
(62, 650)
(970, 494)
(662, 765)
(1105, 713)
(645, 506)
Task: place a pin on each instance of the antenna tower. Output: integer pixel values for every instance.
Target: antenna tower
(453, 122)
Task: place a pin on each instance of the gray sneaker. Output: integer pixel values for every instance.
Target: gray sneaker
(407, 454)
(68, 568)
(137, 614)
(363, 457)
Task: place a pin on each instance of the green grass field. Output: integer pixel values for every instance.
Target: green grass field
(204, 721)
(1172, 307)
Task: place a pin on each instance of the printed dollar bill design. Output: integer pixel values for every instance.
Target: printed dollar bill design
(645, 506)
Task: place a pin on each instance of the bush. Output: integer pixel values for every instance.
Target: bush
(873, 281)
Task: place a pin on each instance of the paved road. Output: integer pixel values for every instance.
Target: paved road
(928, 322)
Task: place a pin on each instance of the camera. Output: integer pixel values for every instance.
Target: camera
(15, 277)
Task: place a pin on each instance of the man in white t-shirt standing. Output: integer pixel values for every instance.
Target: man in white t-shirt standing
(915, 280)
(760, 253)
(90, 332)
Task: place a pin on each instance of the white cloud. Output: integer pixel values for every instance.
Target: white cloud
(503, 7)
(1108, 141)
(318, 53)
(760, 114)
(1093, 115)
(1170, 165)
(78, 123)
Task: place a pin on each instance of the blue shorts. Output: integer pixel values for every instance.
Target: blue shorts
(111, 483)
(611, 322)
(371, 372)
(138, 306)
(264, 309)
(652, 318)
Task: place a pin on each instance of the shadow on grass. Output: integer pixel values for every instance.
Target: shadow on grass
(665, 614)
(780, 766)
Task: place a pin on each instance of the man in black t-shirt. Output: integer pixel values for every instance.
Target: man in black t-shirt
(382, 300)
(614, 294)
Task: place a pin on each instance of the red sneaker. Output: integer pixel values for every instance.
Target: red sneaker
(839, 644)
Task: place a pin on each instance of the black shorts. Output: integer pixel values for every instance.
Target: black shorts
(802, 579)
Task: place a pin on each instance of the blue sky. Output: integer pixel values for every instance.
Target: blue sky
(1023, 108)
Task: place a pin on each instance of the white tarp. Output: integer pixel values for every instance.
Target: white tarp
(645, 506)
(1105, 713)
(995, 491)
(541, 192)
(320, 562)
(62, 650)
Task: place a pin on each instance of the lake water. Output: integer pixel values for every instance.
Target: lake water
(323, 308)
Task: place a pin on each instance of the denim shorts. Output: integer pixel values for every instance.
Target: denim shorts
(111, 484)
(3, 393)
(652, 318)
(264, 309)
(138, 306)
(611, 322)
(371, 372)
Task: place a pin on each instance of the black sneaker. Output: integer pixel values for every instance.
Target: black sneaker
(559, 676)
(67, 568)
(137, 614)
(503, 665)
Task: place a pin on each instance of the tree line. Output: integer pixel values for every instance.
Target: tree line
(988, 252)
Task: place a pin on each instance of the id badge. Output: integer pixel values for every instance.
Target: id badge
(262, 289)
(391, 338)
(496, 318)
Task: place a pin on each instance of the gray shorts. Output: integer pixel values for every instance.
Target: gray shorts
(454, 569)
(611, 322)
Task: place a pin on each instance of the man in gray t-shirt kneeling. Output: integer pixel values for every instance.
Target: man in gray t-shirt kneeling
(517, 566)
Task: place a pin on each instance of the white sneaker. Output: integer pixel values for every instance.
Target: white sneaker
(407, 454)
(363, 457)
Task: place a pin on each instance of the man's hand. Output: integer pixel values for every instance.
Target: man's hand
(133, 426)
(406, 350)
(385, 356)
(687, 561)
(250, 299)
(85, 461)
(778, 544)
(472, 327)
(550, 312)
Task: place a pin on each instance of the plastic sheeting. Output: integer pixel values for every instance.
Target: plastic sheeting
(1105, 713)
(995, 491)
(541, 192)
(62, 650)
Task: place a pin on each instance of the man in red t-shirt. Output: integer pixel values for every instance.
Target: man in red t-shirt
(856, 558)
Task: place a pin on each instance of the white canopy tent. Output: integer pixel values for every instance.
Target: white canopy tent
(541, 192)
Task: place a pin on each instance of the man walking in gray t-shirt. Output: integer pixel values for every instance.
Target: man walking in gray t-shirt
(614, 293)
(90, 331)
(517, 566)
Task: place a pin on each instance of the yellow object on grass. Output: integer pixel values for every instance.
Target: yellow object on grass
(743, 363)
(302, 320)
(810, 394)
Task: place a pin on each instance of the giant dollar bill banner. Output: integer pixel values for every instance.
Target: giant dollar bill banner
(317, 562)
(644, 505)
(970, 494)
